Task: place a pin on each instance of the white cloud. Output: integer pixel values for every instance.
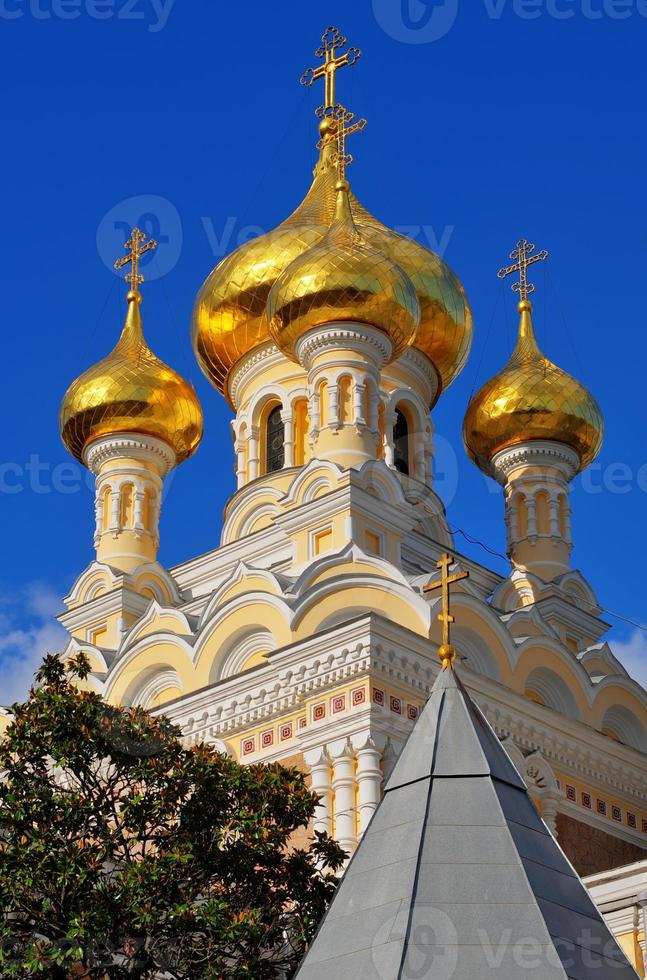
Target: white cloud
(632, 654)
(27, 632)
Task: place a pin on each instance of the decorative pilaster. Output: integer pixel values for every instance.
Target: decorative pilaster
(318, 762)
(369, 777)
(254, 452)
(343, 786)
(288, 434)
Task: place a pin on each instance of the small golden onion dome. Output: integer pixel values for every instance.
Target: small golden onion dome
(531, 398)
(131, 390)
(343, 279)
(229, 316)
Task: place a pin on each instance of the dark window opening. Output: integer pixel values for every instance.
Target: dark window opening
(275, 444)
(401, 442)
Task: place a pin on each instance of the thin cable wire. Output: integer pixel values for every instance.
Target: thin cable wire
(486, 342)
(594, 608)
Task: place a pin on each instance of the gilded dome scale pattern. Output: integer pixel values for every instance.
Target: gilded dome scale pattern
(531, 398)
(229, 317)
(131, 390)
(343, 278)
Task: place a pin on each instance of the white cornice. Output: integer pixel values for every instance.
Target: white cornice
(358, 337)
(539, 452)
(135, 445)
(119, 600)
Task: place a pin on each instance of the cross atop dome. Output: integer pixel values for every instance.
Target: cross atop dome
(136, 248)
(332, 41)
(522, 252)
(337, 124)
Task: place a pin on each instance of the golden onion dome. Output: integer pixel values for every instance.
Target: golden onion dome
(343, 279)
(131, 390)
(531, 398)
(229, 316)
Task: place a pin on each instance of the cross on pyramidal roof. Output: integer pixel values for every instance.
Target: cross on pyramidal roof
(457, 877)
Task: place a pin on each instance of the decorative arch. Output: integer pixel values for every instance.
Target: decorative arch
(621, 723)
(246, 506)
(478, 655)
(243, 650)
(319, 477)
(137, 663)
(548, 688)
(154, 687)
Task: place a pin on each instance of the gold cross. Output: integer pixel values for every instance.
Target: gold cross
(446, 651)
(340, 126)
(521, 253)
(332, 42)
(136, 249)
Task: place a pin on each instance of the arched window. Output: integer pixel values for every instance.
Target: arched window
(274, 441)
(542, 503)
(401, 442)
(345, 399)
(107, 502)
(126, 506)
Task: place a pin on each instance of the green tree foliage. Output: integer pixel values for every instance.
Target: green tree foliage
(124, 853)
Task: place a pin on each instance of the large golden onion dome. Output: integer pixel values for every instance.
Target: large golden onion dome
(229, 317)
(131, 390)
(531, 398)
(343, 279)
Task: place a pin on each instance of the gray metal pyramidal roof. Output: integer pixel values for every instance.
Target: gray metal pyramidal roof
(457, 877)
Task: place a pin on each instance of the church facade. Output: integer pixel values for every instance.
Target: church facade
(309, 635)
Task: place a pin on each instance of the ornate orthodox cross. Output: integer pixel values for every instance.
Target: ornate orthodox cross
(446, 651)
(136, 248)
(523, 254)
(342, 126)
(332, 41)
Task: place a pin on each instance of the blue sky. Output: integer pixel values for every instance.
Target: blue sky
(489, 120)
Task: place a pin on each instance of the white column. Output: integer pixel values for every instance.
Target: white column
(569, 536)
(333, 405)
(553, 510)
(389, 449)
(139, 511)
(318, 762)
(114, 511)
(288, 437)
(531, 505)
(512, 512)
(253, 452)
(156, 510)
(343, 786)
(98, 513)
(358, 403)
(373, 420)
(369, 778)
(240, 464)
